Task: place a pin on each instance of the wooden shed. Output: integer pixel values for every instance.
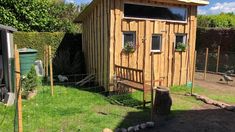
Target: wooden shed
(6, 60)
(120, 35)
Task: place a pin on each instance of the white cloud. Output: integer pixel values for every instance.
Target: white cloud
(202, 11)
(222, 7)
(70, 1)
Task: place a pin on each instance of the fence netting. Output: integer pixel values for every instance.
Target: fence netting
(75, 107)
(226, 61)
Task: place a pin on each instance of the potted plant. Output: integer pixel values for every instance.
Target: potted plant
(129, 47)
(181, 47)
(29, 84)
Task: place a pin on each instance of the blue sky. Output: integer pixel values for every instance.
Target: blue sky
(215, 6)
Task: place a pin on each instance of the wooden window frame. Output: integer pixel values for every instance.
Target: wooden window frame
(184, 39)
(156, 51)
(152, 19)
(128, 32)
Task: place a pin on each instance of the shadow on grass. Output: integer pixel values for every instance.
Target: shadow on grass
(205, 120)
(133, 99)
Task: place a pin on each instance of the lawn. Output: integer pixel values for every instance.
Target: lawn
(77, 110)
(213, 94)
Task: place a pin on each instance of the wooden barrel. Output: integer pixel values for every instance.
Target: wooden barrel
(163, 101)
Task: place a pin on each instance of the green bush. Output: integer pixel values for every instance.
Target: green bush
(37, 40)
(223, 20)
(30, 81)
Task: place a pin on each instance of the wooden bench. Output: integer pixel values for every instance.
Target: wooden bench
(133, 78)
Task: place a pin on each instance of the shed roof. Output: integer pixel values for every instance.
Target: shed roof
(3, 27)
(186, 2)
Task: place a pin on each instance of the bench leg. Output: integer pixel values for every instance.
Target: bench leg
(144, 98)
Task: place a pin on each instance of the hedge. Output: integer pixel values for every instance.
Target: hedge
(213, 37)
(61, 43)
(37, 40)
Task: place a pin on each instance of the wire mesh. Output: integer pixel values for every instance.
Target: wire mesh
(72, 106)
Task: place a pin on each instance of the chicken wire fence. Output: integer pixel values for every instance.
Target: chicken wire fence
(61, 112)
(226, 61)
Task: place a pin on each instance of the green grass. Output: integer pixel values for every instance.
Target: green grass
(76, 110)
(70, 110)
(216, 95)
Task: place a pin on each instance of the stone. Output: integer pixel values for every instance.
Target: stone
(130, 129)
(107, 130)
(150, 124)
(123, 130)
(137, 128)
(143, 126)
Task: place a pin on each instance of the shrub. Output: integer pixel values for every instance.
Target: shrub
(30, 81)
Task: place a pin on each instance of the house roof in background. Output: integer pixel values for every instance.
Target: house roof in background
(3, 27)
(186, 2)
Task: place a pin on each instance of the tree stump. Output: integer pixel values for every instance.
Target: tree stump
(163, 101)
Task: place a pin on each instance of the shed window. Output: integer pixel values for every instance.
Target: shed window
(129, 39)
(155, 12)
(156, 43)
(180, 38)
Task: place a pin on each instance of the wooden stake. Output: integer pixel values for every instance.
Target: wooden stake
(51, 71)
(152, 84)
(194, 69)
(44, 60)
(18, 90)
(218, 59)
(206, 62)
(47, 58)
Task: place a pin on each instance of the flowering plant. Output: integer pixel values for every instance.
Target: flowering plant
(129, 47)
(181, 47)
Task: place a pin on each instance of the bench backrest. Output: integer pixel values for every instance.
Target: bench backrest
(131, 74)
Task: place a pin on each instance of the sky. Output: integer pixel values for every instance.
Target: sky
(215, 6)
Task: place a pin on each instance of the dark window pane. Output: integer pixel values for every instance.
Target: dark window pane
(179, 39)
(156, 42)
(129, 37)
(152, 12)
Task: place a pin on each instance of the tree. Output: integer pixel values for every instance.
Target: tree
(38, 15)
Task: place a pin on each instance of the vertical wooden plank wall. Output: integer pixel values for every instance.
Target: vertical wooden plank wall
(175, 67)
(96, 42)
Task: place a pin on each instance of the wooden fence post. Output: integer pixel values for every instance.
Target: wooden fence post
(18, 90)
(206, 62)
(194, 69)
(46, 61)
(152, 84)
(218, 59)
(51, 70)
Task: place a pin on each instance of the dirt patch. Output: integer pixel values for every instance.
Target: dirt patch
(214, 78)
(206, 119)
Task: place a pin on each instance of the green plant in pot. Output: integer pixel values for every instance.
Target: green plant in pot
(29, 84)
(181, 47)
(129, 47)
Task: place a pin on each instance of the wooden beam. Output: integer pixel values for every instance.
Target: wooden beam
(194, 69)
(218, 59)
(51, 71)
(18, 90)
(206, 62)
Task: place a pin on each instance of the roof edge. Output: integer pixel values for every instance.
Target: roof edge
(7, 28)
(82, 14)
